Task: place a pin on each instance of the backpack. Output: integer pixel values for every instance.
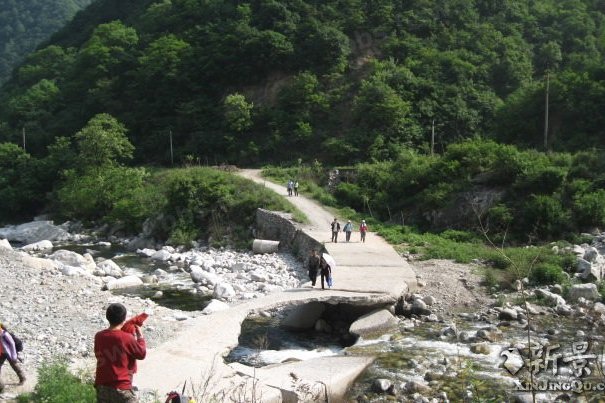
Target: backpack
(18, 342)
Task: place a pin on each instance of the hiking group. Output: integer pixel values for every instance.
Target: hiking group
(322, 265)
(348, 229)
(292, 188)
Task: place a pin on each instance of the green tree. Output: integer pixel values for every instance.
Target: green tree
(103, 142)
(238, 112)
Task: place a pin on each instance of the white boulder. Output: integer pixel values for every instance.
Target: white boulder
(69, 258)
(4, 244)
(124, 282)
(45, 244)
(109, 268)
(162, 255)
(215, 306)
(34, 231)
(223, 291)
(587, 291)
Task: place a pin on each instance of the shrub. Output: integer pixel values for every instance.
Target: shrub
(589, 209)
(546, 216)
(57, 385)
(546, 273)
(460, 236)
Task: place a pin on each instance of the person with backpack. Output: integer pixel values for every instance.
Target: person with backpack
(9, 348)
(313, 265)
(363, 228)
(348, 228)
(296, 188)
(116, 352)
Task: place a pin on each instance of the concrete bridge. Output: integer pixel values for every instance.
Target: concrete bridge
(368, 274)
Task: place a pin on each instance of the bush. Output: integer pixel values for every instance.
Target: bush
(546, 216)
(546, 273)
(57, 385)
(460, 236)
(589, 209)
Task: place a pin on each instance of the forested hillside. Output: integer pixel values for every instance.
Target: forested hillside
(339, 80)
(24, 24)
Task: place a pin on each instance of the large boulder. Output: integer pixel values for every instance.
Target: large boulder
(124, 282)
(223, 291)
(215, 306)
(587, 291)
(162, 255)
(200, 276)
(73, 259)
(35, 231)
(36, 246)
(582, 265)
(591, 254)
(373, 322)
(108, 268)
(304, 316)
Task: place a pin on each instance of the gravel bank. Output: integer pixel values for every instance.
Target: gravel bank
(57, 316)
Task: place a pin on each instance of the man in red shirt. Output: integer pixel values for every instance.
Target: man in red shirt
(116, 352)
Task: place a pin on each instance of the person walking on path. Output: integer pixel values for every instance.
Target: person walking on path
(313, 265)
(348, 228)
(116, 352)
(290, 186)
(296, 188)
(335, 229)
(8, 351)
(326, 274)
(363, 228)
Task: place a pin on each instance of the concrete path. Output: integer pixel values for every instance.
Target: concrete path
(368, 273)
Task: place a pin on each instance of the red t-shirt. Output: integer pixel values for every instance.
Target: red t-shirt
(116, 352)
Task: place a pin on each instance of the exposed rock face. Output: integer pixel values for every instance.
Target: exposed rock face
(35, 231)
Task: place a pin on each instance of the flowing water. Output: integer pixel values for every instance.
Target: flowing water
(421, 354)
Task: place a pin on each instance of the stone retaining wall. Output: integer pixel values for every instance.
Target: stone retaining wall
(280, 227)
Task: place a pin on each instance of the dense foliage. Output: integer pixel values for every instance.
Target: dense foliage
(24, 24)
(532, 196)
(342, 80)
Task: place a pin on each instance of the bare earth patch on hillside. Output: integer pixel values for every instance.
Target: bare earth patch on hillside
(455, 287)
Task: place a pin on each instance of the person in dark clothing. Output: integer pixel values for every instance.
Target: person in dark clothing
(313, 266)
(326, 271)
(116, 352)
(335, 229)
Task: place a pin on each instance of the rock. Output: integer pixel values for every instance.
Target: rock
(599, 308)
(200, 276)
(109, 268)
(158, 294)
(507, 314)
(552, 298)
(490, 334)
(322, 326)
(429, 300)
(160, 273)
(594, 273)
(557, 289)
(582, 265)
(517, 285)
(588, 291)
(223, 291)
(591, 254)
(579, 251)
(215, 306)
(69, 258)
(382, 385)
(124, 282)
(149, 279)
(419, 307)
(373, 322)
(35, 231)
(5, 244)
(259, 276)
(162, 255)
(580, 334)
(146, 252)
(480, 348)
(564, 310)
(36, 246)
(238, 267)
(179, 316)
(416, 387)
(303, 316)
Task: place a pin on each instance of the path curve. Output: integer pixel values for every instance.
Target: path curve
(368, 273)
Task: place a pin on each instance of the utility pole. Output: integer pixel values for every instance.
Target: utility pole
(546, 112)
(433, 138)
(23, 134)
(171, 153)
